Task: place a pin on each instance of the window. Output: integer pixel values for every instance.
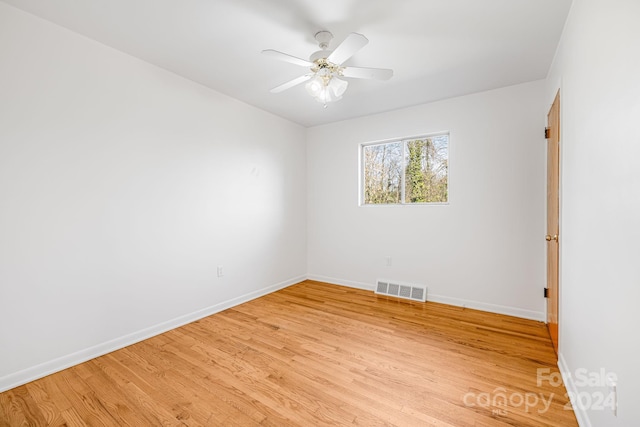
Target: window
(410, 171)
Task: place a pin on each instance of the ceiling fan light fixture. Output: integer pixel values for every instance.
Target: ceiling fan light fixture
(338, 86)
(315, 86)
(326, 95)
(325, 87)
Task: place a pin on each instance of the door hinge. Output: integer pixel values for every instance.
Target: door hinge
(546, 133)
(546, 292)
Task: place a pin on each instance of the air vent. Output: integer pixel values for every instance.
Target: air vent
(401, 290)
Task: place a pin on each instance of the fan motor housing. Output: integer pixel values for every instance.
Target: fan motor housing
(321, 54)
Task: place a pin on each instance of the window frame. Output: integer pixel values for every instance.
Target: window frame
(403, 140)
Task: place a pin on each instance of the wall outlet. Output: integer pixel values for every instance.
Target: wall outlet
(388, 261)
(220, 271)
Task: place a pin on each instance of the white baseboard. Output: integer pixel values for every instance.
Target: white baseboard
(492, 308)
(341, 282)
(570, 385)
(33, 373)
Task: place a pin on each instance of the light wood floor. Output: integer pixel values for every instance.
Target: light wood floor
(312, 354)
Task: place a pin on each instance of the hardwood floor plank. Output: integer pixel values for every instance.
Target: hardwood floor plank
(72, 418)
(312, 354)
(45, 404)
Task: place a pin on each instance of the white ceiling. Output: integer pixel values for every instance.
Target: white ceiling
(437, 48)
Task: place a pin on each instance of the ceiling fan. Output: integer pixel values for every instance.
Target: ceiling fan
(324, 83)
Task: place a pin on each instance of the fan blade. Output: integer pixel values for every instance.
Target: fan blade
(287, 58)
(291, 83)
(353, 43)
(367, 73)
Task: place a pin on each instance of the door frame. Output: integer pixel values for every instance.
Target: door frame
(552, 236)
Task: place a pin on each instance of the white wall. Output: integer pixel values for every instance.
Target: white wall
(122, 186)
(485, 249)
(597, 69)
